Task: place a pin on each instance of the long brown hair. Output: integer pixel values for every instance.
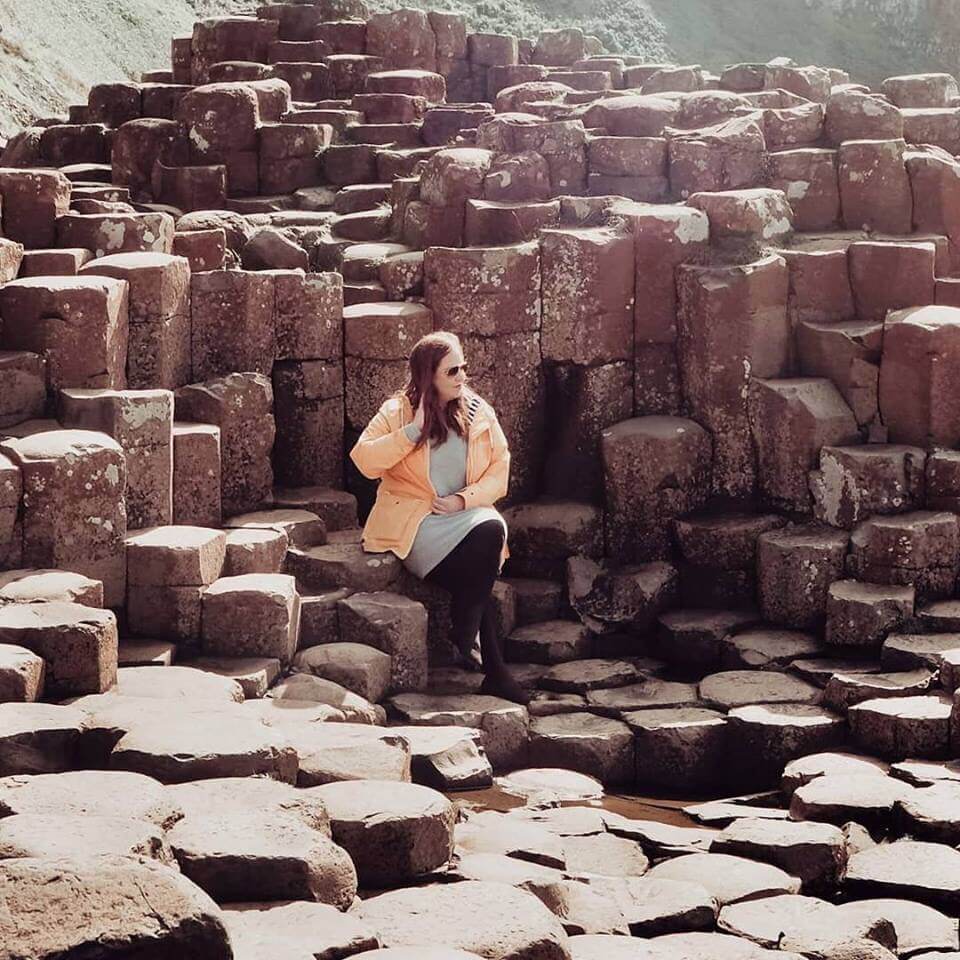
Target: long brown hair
(438, 419)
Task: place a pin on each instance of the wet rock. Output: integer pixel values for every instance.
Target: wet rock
(104, 901)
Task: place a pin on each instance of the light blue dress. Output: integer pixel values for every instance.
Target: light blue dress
(439, 533)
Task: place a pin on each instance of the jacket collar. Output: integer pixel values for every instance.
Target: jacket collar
(480, 422)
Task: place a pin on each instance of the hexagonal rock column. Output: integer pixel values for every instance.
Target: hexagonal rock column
(596, 746)
(791, 420)
(378, 338)
(394, 832)
(919, 548)
(765, 737)
(21, 674)
(920, 365)
(720, 557)
(902, 727)
(808, 176)
(608, 597)
(463, 920)
(503, 725)
(583, 402)
(888, 276)
(678, 747)
(655, 469)
(848, 353)
(393, 624)
(758, 215)
(254, 615)
(544, 534)
(175, 917)
(907, 870)
(663, 236)
(11, 524)
(78, 644)
(196, 474)
(39, 738)
(355, 666)
(795, 567)
(141, 421)
(73, 507)
(490, 297)
(253, 856)
(732, 326)
(241, 405)
(167, 569)
(79, 324)
(854, 483)
(814, 852)
(33, 201)
(874, 186)
(862, 614)
(158, 352)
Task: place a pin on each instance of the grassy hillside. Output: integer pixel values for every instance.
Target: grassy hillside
(51, 51)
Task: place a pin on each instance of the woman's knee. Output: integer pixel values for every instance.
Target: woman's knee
(489, 536)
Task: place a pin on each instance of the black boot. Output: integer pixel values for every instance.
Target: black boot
(498, 681)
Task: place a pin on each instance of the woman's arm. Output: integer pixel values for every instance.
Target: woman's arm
(492, 485)
(380, 447)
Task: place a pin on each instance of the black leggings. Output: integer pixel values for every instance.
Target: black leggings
(468, 572)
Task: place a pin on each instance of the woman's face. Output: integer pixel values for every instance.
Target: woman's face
(451, 375)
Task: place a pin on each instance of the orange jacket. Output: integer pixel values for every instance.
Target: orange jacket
(384, 452)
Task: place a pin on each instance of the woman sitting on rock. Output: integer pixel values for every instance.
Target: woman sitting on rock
(443, 461)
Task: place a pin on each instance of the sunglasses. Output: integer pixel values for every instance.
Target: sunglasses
(453, 371)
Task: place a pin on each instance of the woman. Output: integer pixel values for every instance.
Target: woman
(442, 461)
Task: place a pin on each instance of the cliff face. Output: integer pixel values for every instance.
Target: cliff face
(51, 52)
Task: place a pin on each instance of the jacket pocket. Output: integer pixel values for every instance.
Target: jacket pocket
(389, 518)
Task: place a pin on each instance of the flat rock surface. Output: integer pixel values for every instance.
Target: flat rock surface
(38, 737)
(242, 795)
(80, 838)
(836, 798)
(491, 919)
(653, 907)
(640, 696)
(303, 686)
(510, 836)
(114, 904)
(290, 931)
(728, 879)
(925, 773)
(604, 855)
(553, 784)
(173, 683)
(184, 750)
(105, 793)
(918, 926)
(393, 831)
(933, 813)
(256, 856)
(767, 649)
(582, 675)
(804, 769)
(329, 752)
(741, 688)
(915, 870)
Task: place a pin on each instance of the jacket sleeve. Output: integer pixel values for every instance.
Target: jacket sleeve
(492, 485)
(380, 447)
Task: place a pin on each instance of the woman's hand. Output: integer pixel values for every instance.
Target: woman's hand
(452, 504)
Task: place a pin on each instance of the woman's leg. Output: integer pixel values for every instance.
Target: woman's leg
(468, 572)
